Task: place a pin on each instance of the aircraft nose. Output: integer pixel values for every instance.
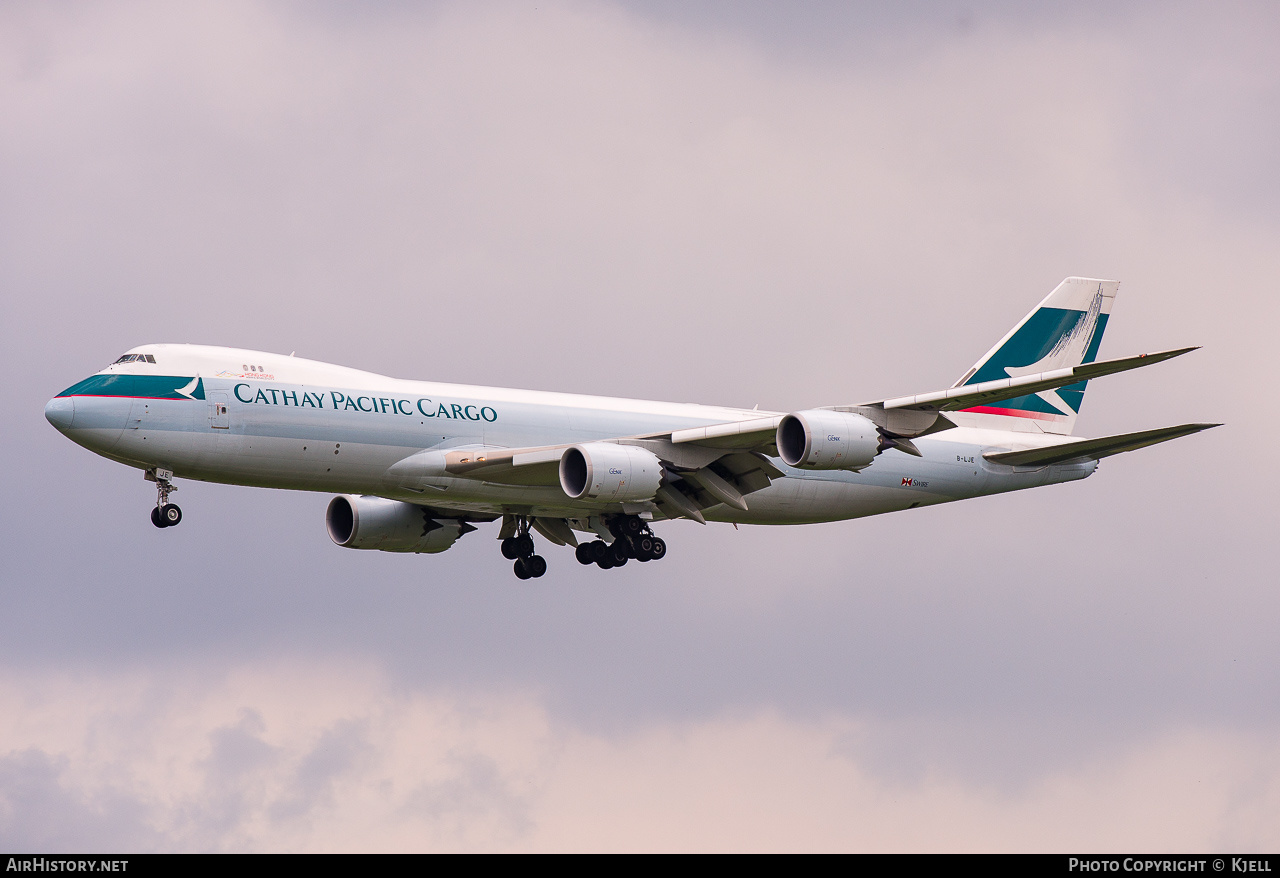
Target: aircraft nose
(61, 411)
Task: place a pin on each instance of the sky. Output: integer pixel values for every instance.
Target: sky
(726, 203)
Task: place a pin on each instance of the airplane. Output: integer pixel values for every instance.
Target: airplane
(416, 465)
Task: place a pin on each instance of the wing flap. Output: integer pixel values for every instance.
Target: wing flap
(1093, 449)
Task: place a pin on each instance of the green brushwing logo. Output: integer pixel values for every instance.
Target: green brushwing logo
(1051, 338)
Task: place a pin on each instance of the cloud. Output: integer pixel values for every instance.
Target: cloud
(39, 810)
(257, 759)
(336, 759)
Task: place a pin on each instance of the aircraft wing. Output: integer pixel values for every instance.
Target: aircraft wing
(509, 466)
(697, 447)
(690, 449)
(755, 434)
(967, 396)
(1093, 449)
(724, 462)
(540, 465)
(727, 468)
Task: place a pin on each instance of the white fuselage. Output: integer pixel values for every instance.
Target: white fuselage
(249, 418)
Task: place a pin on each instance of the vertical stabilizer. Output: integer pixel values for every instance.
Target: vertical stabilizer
(1062, 331)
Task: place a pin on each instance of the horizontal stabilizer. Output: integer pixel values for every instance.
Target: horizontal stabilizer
(970, 395)
(1093, 449)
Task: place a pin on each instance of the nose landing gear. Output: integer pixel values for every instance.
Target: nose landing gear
(164, 513)
(519, 548)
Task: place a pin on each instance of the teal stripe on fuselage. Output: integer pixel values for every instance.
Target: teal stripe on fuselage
(135, 386)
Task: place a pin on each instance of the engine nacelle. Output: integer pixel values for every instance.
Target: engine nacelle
(610, 473)
(389, 525)
(821, 439)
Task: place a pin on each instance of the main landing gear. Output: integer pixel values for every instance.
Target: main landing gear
(632, 539)
(519, 548)
(164, 513)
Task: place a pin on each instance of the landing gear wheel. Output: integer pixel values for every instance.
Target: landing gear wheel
(583, 554)
(659, 549)
(155, 517)
(619, 552)
(631, 525)
(599, 550)
(519, 548)
(605, 562)
(644, 549)
(170, 514)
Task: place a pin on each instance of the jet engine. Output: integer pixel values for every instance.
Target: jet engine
(822, 439)
(610, 473)
(359, 522)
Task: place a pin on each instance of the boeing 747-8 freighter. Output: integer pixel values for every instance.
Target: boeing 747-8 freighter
(417, 464)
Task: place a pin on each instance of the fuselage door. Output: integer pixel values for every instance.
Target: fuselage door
(219, 418)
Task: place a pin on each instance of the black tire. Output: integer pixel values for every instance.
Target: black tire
(631, 525)
(619, 551)
(524, 546)
(522, 569)
(605, 563)
(536, 565)
(659, 549)
(170, 514)
(644, 549)
(628, 545)
(583, 554)
(155, 517)
(509, 549)
(599, 549)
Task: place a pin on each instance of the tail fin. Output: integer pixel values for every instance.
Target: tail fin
(1062, 331)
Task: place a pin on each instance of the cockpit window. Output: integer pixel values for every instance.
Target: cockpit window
(136, 358)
